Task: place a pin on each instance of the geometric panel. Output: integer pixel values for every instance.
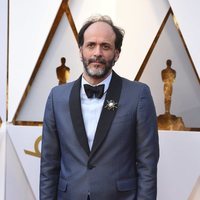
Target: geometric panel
(26, 144)
(195, 195)
(189, 24)
(185, 100)
(3, 58)
(17, 184)
(179, 165)
(2, 160)
(63, 43)
(29, 25)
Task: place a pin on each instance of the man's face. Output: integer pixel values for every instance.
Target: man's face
(98, 51)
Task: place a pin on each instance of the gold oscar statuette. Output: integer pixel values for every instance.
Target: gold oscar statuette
(167, 121)
(62, 72)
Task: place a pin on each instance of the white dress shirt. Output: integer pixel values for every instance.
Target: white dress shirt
(91, 109)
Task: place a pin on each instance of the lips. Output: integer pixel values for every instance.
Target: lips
(97, 62)
(102, 61)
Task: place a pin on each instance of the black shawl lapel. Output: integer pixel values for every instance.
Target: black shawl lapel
(76, 115)
(107, 116)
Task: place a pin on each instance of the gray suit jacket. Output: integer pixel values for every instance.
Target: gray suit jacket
(122, 164)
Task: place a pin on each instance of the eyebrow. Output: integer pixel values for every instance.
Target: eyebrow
(103, 43)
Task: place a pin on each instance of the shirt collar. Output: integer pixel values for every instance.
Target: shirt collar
(106, 82)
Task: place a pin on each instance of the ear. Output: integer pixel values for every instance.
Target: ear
(117, 53)
(81, 53)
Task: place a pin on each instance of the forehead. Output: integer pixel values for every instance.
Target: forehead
(101, 31)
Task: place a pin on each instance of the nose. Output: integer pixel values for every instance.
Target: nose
(98, 51)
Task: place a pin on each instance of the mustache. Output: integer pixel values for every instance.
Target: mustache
(98, 59)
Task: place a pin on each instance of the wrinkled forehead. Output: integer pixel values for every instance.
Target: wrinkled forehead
(100, 30)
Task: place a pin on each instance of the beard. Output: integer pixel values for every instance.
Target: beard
(97, 71)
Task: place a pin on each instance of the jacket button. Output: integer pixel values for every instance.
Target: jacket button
(90, 166)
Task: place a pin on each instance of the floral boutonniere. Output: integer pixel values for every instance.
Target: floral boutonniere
(111, 105)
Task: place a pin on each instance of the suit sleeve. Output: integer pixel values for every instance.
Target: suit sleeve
(147, 147)
(50, 154)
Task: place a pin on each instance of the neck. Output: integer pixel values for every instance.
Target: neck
(92, 80)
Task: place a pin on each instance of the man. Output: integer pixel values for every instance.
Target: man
(101, 146)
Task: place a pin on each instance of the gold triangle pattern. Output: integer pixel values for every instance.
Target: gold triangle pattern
(170, 12)
(149, 53)
(63, 9)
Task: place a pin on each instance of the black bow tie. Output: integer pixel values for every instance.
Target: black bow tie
(96, 91)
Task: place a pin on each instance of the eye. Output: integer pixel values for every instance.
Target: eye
(90, 45)
(106, 47)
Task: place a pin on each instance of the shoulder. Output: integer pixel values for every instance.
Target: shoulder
(130, 83)
(133, 85)
(63, 89)
(134, 89)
